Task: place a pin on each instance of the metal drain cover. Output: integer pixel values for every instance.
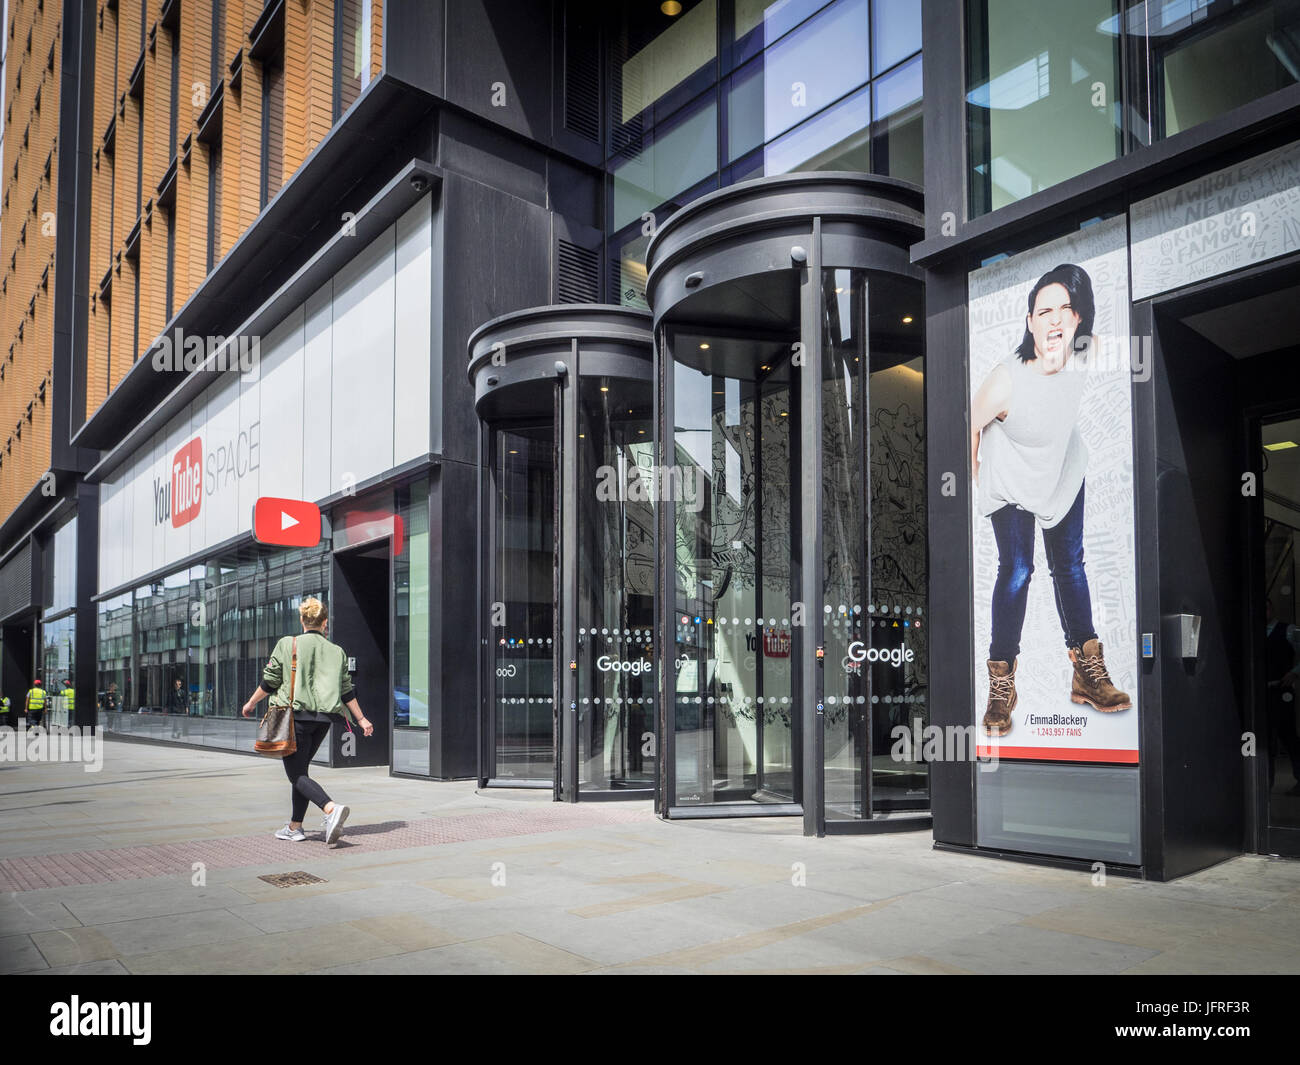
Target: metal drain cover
(291, 879)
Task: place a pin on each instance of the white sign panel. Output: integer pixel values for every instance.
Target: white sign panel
(1227, 220)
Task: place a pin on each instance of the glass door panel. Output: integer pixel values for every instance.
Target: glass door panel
(521, 614)
(732, 462)
(615, 612)
(896, 622)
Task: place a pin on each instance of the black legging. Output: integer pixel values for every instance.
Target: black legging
(309, 735)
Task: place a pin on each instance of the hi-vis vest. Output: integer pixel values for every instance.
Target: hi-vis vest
(36, 699)
(70, 698)
(4, 704)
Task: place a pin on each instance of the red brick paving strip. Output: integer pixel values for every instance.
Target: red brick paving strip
(169, 859)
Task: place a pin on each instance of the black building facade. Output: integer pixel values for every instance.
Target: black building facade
(643, 394)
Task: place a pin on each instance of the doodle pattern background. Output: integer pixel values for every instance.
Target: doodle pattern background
(998, 295)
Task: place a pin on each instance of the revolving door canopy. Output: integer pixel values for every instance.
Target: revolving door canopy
(565, 398)
(791, 562)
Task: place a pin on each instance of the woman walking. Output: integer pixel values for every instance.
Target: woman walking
(321, 689)
(1025, 440)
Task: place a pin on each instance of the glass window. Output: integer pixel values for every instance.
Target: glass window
(817, 64)
(57, 665)
(1042, 96)
(681, 153)
(759, 23)
(896, 135)
(411, 611)
(194, 643)
(1209, 56)
(895, 32)
(114, 682)
(656, 53)
(350, 59)
(837, 139)
(61, 590)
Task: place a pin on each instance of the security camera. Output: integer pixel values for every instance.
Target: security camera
(419, 183)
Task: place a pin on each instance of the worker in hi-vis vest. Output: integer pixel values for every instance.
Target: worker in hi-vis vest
(35, 704)
(4, 711)
(69, 700)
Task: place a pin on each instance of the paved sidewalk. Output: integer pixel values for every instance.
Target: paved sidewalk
(153, 866)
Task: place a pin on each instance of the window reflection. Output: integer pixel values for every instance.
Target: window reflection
(1043, 87)
(761, 88)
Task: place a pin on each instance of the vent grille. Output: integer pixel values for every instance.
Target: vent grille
(581, 77)
(577, 278)
(16, 582)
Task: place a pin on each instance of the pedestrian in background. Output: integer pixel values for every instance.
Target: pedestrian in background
(35, 704)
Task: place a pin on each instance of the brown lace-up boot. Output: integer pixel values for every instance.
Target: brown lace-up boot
(1092, 684)
(1002, 698)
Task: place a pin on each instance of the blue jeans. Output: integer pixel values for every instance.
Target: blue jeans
(1013, 529)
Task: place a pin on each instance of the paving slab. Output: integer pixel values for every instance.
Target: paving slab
(438, 877)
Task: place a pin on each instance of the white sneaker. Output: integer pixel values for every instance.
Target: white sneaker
(334, 823)
(294, 834)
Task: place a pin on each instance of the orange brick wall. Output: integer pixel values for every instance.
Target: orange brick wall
(29, 180)
(304, 116)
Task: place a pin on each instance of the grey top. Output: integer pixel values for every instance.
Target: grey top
(1035, 458)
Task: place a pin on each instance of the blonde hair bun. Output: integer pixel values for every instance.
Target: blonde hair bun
(312, 612)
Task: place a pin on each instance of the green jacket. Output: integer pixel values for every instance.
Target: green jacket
(323, 683)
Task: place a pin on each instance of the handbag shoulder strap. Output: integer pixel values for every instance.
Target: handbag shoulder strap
(293, 671)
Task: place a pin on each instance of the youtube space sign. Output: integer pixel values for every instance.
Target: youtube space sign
(253, 451)
(178, 494)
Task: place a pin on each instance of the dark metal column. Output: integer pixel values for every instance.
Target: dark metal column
(566, 541)
(810, 523)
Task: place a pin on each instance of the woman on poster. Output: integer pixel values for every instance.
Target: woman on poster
(1028, 461)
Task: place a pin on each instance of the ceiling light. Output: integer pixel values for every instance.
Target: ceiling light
(1281, 445)
(641, 431)
(785, 414)
(704, 347)
(604, 388)
(670, 8)
(839, 290)
(907, 320)
(765, 367)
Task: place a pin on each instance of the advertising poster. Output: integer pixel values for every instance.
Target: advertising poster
(1052, 530)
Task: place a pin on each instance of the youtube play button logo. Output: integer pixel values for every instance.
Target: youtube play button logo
(286, 522)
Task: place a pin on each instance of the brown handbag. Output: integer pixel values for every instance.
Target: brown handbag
(275, 732)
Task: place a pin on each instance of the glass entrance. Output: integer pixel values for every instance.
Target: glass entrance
(567, 678)
(795, 552)
(734, 484)
(521, 611)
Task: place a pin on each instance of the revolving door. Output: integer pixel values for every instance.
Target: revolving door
(565, 399)
(791, 563)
